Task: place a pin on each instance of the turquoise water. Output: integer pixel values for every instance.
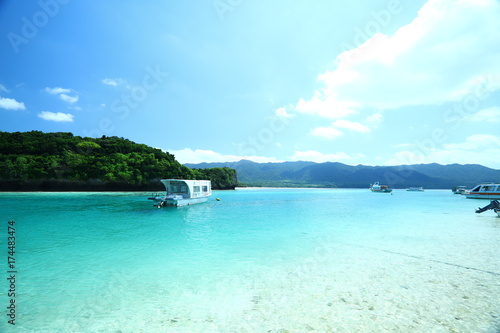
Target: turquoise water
(258, 260)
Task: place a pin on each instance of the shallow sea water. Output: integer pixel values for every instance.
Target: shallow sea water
(258, 260)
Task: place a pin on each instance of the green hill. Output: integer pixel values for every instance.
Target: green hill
(37, 161)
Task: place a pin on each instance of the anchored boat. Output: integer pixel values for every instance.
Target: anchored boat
(415, 189)
(181, 192)
(494, 205)
(459, 189)
(376, 187)
(484, 191)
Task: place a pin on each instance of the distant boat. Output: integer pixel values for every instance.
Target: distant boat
(459, 189)
(376, 187)
(484, 191)
(415, 189)
(494, 205)
(182, 192)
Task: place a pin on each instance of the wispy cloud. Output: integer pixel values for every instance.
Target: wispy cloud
(69, 99)
(11, 104)
(476, 142)
(338, 127)
(2, 88)
(57, 90)
(113, 82)
(489, 115)
(351, 125)
(56, 116)
(329, 133)
(63, 94)
(188, 155)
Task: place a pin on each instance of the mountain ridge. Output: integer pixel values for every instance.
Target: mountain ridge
(336, 174)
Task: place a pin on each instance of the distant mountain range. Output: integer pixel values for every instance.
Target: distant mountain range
(334, 174)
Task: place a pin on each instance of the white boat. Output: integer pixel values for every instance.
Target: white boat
(484, 191)
(459, 189)
(415, 189)
(181, 192)
(376, 187)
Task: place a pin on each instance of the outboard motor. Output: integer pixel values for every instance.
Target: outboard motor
(494, 204)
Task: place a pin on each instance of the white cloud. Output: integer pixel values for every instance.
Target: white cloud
(57, 90)
(333, 131)
(351, 125)
(63, 94)
(69, 99)
(329, 133)
(58, 117)
(326, 106)
(443, 55)
(113, 82)
(188, 155)
(11, 104)
(476, 142)
(489, 115)
(481, 149)
(316, 156)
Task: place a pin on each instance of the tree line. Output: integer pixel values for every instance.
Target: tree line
(36, 161)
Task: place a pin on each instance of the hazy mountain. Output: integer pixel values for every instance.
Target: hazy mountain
(341, 175)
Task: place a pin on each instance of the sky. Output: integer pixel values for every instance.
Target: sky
(378, 82)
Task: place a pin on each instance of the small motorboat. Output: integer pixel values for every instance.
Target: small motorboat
(376, 187)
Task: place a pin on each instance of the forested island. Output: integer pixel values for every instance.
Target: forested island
(38, 161)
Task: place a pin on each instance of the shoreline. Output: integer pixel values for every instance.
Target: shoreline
(77, 186)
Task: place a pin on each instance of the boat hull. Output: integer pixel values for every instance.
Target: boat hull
(173, 202)
(415, 189)
(381, 191)
(490, 196)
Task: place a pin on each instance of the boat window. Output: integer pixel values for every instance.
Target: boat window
(205, 188)
(177, 187)
(196, 189)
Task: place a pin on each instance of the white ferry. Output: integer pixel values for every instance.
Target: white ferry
(182, 192)
(415, 189)
(376, 187)
(484, 191)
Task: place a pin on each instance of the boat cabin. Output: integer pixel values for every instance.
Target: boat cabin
(187, 189)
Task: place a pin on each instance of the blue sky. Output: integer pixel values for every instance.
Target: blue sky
(368, 82)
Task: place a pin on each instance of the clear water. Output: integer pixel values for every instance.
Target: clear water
(258, 260)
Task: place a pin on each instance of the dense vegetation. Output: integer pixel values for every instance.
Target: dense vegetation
(61, 161)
